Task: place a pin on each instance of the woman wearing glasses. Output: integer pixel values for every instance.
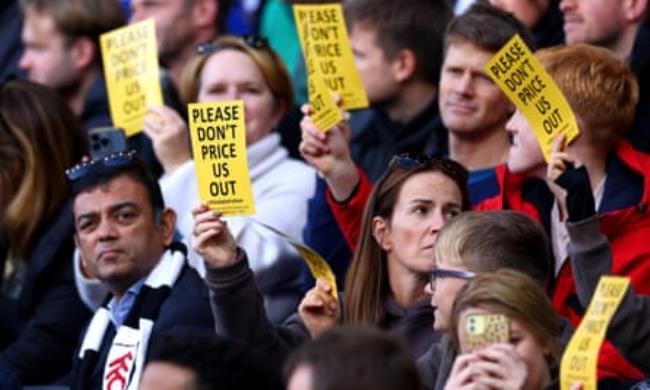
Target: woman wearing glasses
(243, 68)
(40, 313)
(385, 284)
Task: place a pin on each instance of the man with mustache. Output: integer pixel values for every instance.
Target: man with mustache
(124, 235)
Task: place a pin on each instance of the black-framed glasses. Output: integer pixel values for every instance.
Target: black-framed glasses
(253, 41)
(112, 160)
(448, 273)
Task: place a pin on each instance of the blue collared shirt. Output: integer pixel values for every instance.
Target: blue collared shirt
(118, 310)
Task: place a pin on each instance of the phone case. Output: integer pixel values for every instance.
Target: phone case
(485, 329)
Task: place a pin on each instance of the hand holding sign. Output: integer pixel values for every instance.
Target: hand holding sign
(132, 73)
(324, 40)
(319, 309)
(212, 239)
(523, 79)
(168, 133)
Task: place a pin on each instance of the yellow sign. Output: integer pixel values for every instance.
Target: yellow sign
(580, 359)
(132, 73)
(316, 264)
(218, 134)
(523, 79)
(322, 34)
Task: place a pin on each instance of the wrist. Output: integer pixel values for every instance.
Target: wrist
(343, 181)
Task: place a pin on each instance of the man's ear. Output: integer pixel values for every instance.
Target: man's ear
(380, 231)
(404, 65)
(84, 53)
(167, 225)
(205, 13)
(634, 10)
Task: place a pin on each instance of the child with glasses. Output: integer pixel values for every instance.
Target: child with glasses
(471, 244)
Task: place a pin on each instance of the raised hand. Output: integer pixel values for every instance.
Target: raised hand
(319, 309)
(211, 238)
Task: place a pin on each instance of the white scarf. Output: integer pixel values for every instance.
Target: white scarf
(126, 356)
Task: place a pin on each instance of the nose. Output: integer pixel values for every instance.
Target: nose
(428, 290)
(106, 231)
(464, 85)
(438, 220)
(565, 5)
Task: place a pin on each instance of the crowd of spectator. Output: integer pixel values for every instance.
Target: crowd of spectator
(433, 206)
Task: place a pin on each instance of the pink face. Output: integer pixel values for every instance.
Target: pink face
(48, 58)
(444, 295)
(529, 12)
(232, 74)
(597, 22)
(426, 201)
(374, 69)
(525, 155)
(470, 103)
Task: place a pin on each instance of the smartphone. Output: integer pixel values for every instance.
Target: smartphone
(482, 330)
(106, 140)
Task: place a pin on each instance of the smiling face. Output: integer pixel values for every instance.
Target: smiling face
(116, 232)
(470, 103)
(525, 154)
(231, 74)
(597, 22)
(526, 345)
(426, 201)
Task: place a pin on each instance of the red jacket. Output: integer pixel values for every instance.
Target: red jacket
(626, 227)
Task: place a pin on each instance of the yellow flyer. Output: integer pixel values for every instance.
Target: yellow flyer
(316, 264)
(325, 113)
(132, 73)
(218, 134)
(523, 79)
(580, 359)
(322, 34)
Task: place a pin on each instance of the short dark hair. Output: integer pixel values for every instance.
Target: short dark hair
(356, 357)
(217, 362)
(97, 173)
(487, 27)
(417, 25)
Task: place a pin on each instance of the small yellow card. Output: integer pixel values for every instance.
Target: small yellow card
(523, 79)
(132, 73)
(218, 134)
(324, 38)
(579, 362)
(325, 113)
(316, 264)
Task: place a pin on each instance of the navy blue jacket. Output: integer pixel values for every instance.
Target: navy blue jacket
(187, 306)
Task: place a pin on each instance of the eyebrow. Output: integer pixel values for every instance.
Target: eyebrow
(111, 209)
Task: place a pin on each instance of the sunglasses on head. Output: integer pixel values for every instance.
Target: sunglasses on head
(253, 41)
(113, 160)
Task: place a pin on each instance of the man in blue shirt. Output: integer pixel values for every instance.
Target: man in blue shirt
(124, 235)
